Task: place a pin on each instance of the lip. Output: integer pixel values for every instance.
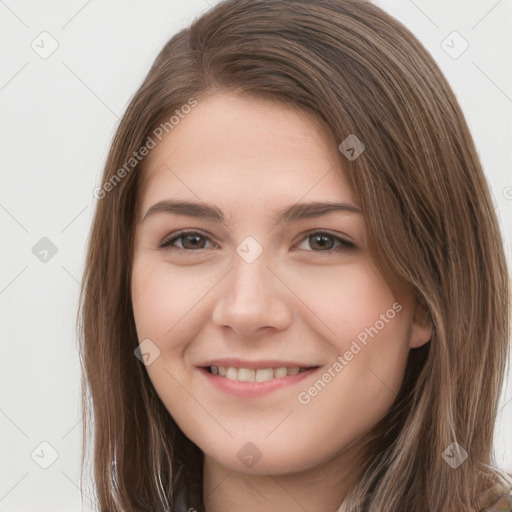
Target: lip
(268, 363)
(254, 389)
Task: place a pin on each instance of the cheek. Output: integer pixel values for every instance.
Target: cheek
(166, 310)
(367, 330)
(342, 302)
(150, 298)
(163, 300)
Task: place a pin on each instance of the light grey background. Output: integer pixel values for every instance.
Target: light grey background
(57, 118)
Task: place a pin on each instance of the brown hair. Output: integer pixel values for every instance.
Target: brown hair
(430, 222)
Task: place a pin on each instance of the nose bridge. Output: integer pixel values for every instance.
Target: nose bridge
(252, 297)
(250, 280)
(250, 274)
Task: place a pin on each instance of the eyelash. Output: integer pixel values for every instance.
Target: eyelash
(345, 245)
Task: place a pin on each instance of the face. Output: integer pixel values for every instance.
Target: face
(307, 341)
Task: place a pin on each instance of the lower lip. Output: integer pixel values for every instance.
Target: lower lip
(254, 389)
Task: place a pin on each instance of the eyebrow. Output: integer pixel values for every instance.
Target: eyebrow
(289, 214)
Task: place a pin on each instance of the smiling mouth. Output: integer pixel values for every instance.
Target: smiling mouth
(255, 375)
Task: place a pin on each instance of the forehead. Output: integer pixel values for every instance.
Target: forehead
(246, 149)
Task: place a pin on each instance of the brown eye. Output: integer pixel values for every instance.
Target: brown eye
(321, 242)
(326, 243)
(190, 241)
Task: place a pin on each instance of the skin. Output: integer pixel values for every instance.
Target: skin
(250, 157)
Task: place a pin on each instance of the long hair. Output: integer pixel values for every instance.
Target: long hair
(430, 224)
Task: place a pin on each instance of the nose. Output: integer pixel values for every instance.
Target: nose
(251, 299)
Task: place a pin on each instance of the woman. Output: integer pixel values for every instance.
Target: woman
(296, 291)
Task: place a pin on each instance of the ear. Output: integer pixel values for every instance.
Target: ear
(421, 328)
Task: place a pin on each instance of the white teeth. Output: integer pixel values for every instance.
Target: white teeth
(264, 374)
(251, 374)
(246, 374)
(231, 373)
(280, 372)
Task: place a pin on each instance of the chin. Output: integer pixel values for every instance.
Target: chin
(267, 457)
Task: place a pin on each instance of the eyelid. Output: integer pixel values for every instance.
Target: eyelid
(168, 240)
(173, 237)
(343, 238)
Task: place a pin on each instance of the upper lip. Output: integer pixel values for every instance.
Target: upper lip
(267, 363)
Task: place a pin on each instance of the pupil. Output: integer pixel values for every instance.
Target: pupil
(320, 240)
(195, 238)
(323, 239)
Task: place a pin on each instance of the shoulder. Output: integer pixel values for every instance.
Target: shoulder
(502, 504)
